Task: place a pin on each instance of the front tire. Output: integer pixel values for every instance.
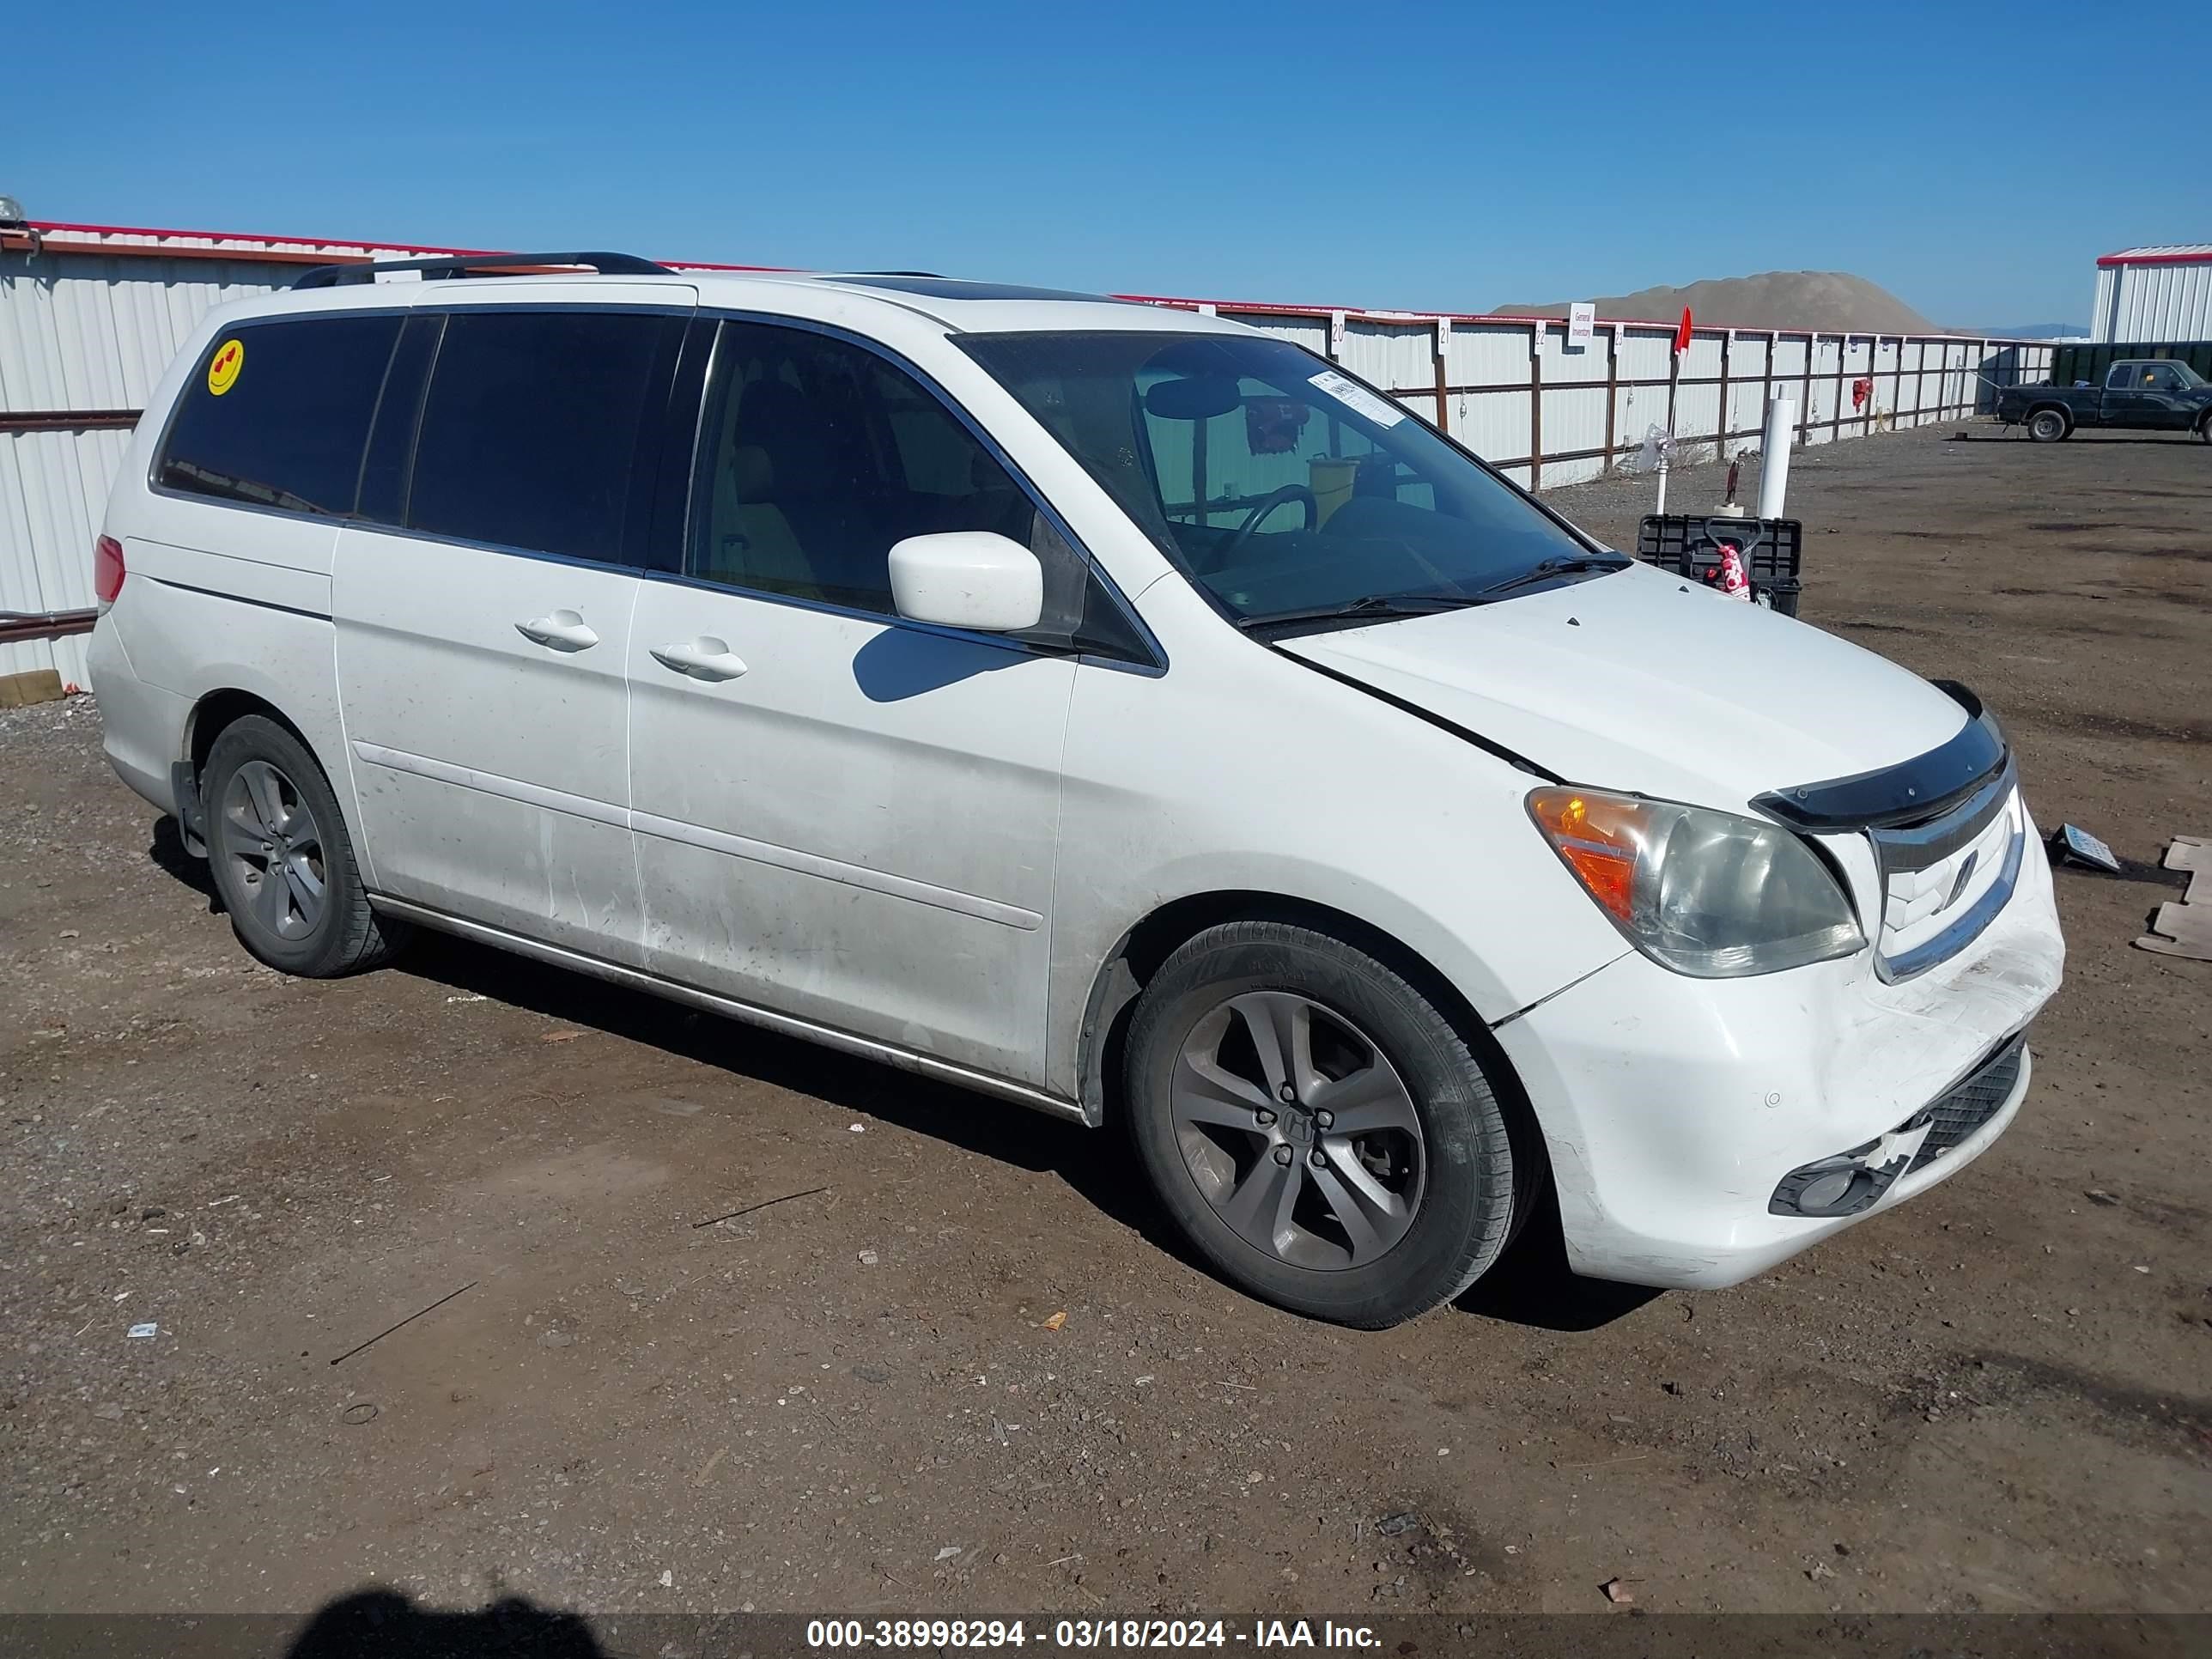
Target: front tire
(1316, 1126)
(2046, 425)
(282, 859)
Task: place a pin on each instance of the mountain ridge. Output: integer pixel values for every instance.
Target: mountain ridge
(1830, 300)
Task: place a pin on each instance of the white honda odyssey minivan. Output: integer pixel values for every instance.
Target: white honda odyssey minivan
(1120, 711)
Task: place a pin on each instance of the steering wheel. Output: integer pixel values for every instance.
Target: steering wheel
(1254, 519)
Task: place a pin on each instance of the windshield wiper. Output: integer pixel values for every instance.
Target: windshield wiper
(1376, 605)
(1544, 569)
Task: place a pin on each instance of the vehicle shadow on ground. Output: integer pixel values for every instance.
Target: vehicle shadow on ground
(1101, 1168)
(1531, 1285)
(168, 852)
(380, 1624)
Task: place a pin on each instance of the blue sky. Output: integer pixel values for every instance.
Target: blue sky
(1453, 157)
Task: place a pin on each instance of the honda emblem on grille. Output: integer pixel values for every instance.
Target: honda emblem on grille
(1965, 875)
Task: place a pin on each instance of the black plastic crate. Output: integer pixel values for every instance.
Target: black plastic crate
(1691, 546)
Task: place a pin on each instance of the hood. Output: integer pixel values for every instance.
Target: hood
(1640, 681)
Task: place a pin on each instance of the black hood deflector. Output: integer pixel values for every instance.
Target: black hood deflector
(1911, 790)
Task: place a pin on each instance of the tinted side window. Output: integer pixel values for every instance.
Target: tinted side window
(277, 414)
(391, 436)
(818, 455)
(535, 430)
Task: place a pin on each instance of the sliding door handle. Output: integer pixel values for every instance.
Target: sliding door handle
(565, 630)
(703, 658)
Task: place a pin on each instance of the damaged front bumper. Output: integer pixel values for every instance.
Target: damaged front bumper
(1687, 1120)
(1850, 1182)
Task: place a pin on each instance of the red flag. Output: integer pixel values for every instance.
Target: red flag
(1682, 334)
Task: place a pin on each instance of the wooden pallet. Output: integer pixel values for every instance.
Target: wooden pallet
(2183, 927)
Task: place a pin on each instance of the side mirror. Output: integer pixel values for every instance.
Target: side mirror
(968, 578)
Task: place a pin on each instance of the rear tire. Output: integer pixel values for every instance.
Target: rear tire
(2204, 428)
(2046, 425)
(1317, 1127)
(281, 858)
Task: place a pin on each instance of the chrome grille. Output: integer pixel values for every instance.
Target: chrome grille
(1943, 880)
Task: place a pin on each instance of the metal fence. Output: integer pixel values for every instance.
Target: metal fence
(1522, 395)
(90, 315)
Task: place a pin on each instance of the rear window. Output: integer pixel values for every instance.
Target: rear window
(277, 414)
(535, 432)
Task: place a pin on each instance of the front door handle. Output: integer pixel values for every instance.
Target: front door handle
(703, 658)
(565, 630)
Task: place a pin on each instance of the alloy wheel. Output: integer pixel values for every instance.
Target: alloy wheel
(275, 848)
(1297, 1130)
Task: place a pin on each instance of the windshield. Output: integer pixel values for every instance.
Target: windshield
(1279, 486)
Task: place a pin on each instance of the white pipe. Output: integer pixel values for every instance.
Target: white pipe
(1661, 507)
(1774, 456)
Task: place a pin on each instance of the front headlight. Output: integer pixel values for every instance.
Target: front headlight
(1705, 893)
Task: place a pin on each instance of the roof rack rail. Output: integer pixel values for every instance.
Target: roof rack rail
(481, 265)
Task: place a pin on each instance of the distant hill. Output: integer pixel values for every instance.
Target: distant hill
(2033, 331)
(1774, 298)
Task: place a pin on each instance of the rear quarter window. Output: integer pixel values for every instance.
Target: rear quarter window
(277, 414)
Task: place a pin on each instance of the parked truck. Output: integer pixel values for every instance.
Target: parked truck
(2154, 394)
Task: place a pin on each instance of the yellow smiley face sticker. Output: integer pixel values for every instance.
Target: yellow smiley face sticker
(222, 369)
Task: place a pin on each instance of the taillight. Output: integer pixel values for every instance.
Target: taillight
(108, 571)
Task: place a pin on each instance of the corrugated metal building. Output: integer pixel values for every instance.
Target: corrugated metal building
(90, 315)
(2161, 295)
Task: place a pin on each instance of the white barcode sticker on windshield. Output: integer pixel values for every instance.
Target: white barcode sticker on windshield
(1357, 399)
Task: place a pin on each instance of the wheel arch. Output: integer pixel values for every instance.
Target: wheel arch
(224, 707)
(362, 939)
(1136, 956)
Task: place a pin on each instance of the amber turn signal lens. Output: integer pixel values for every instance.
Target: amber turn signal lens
(1597, 840)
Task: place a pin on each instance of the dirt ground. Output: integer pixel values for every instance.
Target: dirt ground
(1997, 1398)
